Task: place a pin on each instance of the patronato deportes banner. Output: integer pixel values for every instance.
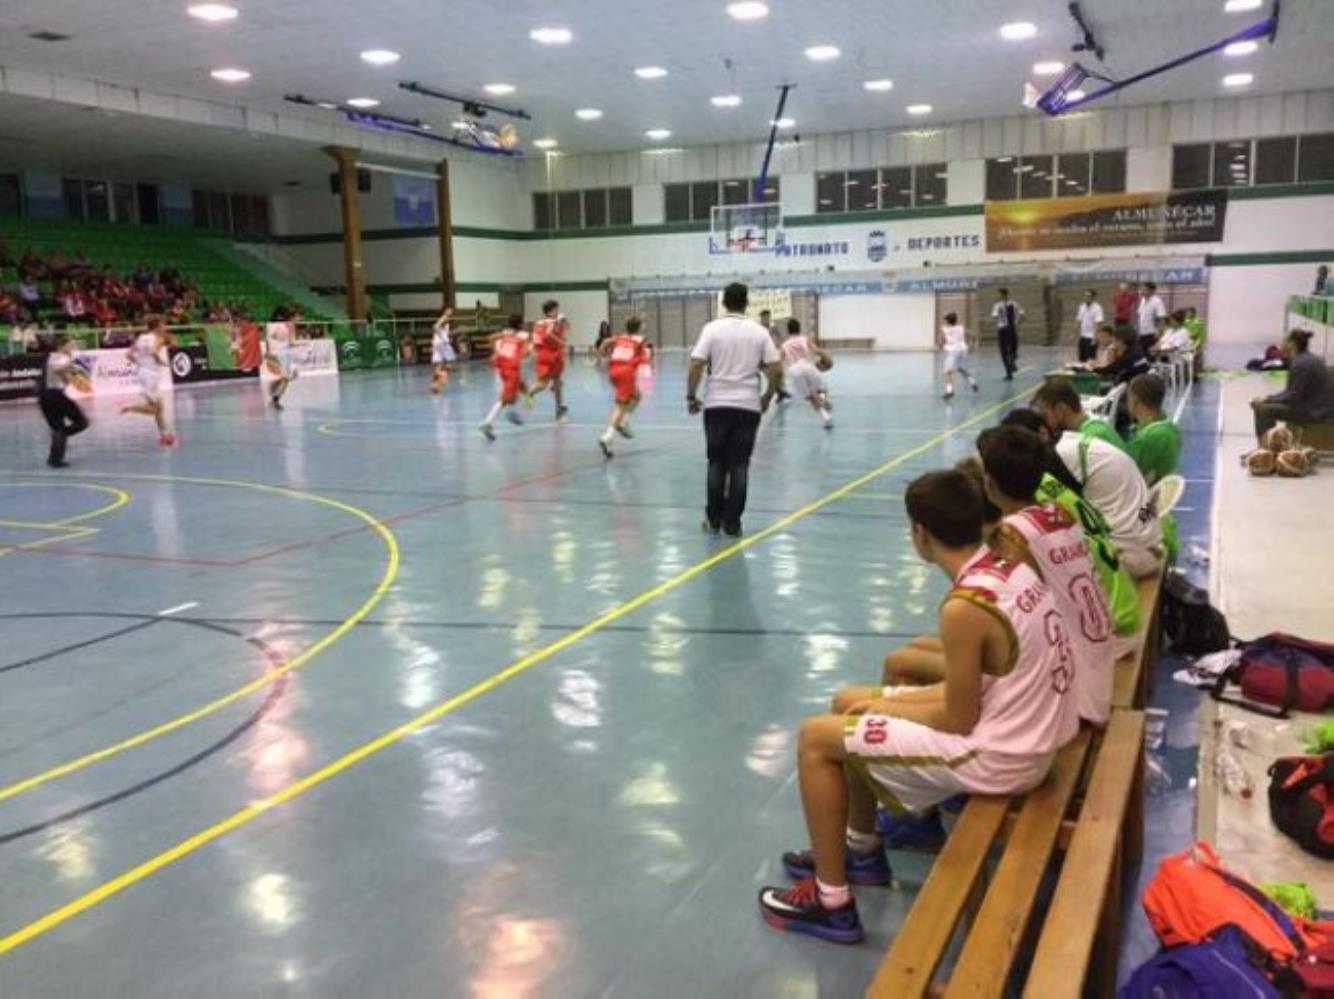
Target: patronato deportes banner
(1106, 220)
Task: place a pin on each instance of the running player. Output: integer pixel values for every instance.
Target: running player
(278, 336)
(508, 349)
(550, 336)
(152, 364)
(625, 352)
(992, 727)
(953, 340)
(442, 351)
(62, 413)
(799, 357)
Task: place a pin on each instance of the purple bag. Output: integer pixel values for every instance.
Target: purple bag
(1219, 968)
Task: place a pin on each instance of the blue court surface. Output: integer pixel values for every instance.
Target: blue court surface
(348, 701)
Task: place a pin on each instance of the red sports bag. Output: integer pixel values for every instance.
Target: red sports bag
(1283, 672)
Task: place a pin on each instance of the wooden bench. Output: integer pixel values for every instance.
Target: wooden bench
(1091, 810)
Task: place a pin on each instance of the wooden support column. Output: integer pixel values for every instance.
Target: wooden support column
(355, 277)
(445, 215)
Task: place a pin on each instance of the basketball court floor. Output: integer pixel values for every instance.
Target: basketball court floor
(347, 701)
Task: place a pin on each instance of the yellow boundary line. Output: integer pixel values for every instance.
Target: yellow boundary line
(202, 838)
(67, 528)
(260, 682)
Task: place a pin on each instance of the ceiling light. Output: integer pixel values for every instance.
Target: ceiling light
(919, 109)
(499, 89)
(380, 57)
(826, 201)
(327, 105)
(784, 123)
(1004, 159)
(650, 72)
(1238, 6)
(588, 114)
(1075, 95)
(544, 143)
(1017, 31)
(658, 134)
(230, 75)
(212, 12)
(1238, 80)
(1240, 48)
(878, 86)
(851, 183)
(750, 10)
(822, 53)
(726, 101)
(663, 151)
(363, 102)
(551, 36)
(1047, 68)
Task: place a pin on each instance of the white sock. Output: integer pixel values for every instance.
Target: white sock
(491, 416)
(860, 842)
(833, 896)
(825, 415)
(609, 434)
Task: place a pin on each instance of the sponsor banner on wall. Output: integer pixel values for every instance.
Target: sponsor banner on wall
(1106, 220)
(106, 373)
(776, 301)
(194, 363)
(20, 376)
(310, 357)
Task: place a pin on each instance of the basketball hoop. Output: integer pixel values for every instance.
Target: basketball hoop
(751, 228)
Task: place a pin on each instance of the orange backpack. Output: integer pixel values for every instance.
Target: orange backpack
(1192, 896)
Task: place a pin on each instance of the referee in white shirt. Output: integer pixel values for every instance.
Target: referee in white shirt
(734, 351)
(1008, 315)
(1090, 318)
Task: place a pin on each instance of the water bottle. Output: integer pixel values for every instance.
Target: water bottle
(1232, 776)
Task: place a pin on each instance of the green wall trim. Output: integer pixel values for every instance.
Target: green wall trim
(885, 215)
(476, 287)
(1276, 257)
(1312, 190)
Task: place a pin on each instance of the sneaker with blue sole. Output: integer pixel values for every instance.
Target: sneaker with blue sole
(869, 868)
(798, 910)
(912, 833)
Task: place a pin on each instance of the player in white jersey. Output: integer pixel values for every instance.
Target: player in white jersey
(800, 357)
(442, 351)
(278, 336)
(149, 357)
(955, 343)
(1048, 539)
(992, 727)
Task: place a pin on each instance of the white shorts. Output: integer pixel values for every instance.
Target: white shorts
(150, 384)
(445, 356)
(804, 379)
(284, 361)
(911, 767)
(1141, 562)
(956, 360)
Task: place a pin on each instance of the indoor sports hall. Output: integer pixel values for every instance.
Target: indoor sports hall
(634, 500)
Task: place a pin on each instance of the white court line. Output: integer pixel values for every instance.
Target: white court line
(178, 608)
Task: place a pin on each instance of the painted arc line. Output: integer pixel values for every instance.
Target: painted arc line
(263, 680)
(204, 837)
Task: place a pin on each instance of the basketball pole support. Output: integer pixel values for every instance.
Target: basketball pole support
(763, 178)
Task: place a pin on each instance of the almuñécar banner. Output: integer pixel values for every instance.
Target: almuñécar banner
(1106, 220)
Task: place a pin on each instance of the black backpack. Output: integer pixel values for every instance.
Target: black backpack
(1191, 624)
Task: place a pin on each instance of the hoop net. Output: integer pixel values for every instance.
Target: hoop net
(752, 228)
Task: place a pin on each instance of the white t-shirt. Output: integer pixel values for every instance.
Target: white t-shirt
(279, 336)
(1151, 309)
(1090, 318)
(1113, 485)
(797, 349)
(954, 339)
(736, 349)
(145, 351)
(1000, 313)
(1176, 338)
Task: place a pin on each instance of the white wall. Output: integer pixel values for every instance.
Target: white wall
(893, 322)
(1246, 304)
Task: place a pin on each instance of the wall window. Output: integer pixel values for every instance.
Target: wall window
(887, 187)
(694, 202)
(620, 206)
(595, 208)
(148, 207)
(1299, 159)
(72, 192)
(569, 210)
(1068, 175)
(676, 202)
(543, 220)
(11, 197)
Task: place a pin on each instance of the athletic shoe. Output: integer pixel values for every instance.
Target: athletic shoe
(58, 464)
(733, 531)
(276, 404)
(624, 431)
(513, 416)
(709, 528)
(528, 400)
(910, 833)
(949, 394)
(486, 431)
(606, 448)
(869, 868)
(798, 910)
(167, 440)
(562, 413)
(976, 387)
(784, 395)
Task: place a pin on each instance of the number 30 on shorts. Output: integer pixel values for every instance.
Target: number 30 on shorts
(876, 731)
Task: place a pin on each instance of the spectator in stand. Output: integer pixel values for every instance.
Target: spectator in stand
(29, 296)
(1150, 313)
(32, 266)
(1125, 359)
(56, 267)
(10, 312)
(1090, 318)
(1123, 305)
(1156, 442)
(1322, 285)
(82, 267)
(1105, 348)
(1195, 326)
(1175, 338)
(142, 278)
(73, 304)
(1309, 395)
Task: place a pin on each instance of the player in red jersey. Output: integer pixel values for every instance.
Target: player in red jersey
(508, 349)
(550, 336)
(625, 352)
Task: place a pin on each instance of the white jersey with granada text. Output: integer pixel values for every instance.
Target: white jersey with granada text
(1026, 705)
(1056, 545)
(954, 339)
